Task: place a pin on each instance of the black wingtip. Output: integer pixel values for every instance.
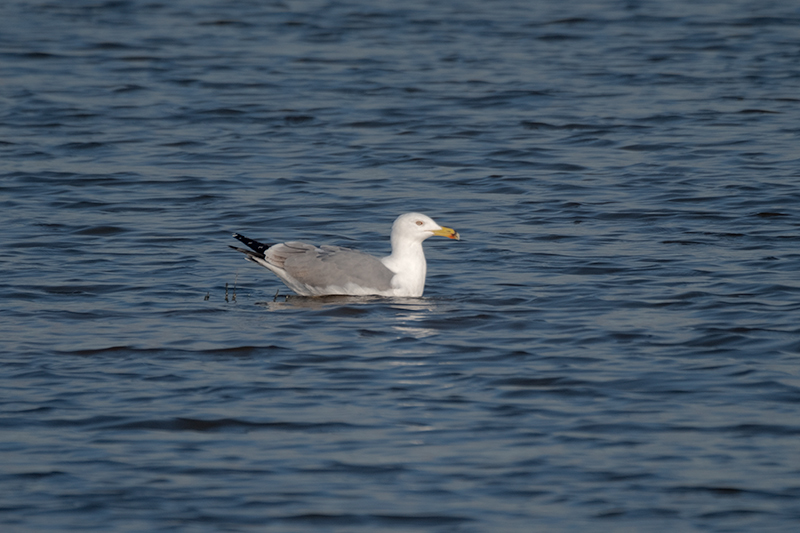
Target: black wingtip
(254, 245)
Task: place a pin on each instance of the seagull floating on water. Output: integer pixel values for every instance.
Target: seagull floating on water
(332, 270)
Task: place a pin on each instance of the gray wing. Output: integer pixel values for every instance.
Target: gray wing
(328, 266)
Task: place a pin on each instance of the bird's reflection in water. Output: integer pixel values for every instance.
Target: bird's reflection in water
(400, 314)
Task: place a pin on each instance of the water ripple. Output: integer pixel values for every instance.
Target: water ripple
(612, 346)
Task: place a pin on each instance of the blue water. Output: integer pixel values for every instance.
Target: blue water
(613, 346)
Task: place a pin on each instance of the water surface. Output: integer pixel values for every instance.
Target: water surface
(613, 346)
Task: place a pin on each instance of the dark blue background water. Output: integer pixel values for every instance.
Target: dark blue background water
(614, 346)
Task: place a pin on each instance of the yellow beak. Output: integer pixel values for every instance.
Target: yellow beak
(450, 233)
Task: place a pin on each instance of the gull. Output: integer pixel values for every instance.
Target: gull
(309, 270)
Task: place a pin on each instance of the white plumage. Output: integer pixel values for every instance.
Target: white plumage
(327, 270)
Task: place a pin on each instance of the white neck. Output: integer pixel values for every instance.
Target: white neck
(408, 263)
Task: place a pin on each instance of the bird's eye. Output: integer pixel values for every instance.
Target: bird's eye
(419, 222)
